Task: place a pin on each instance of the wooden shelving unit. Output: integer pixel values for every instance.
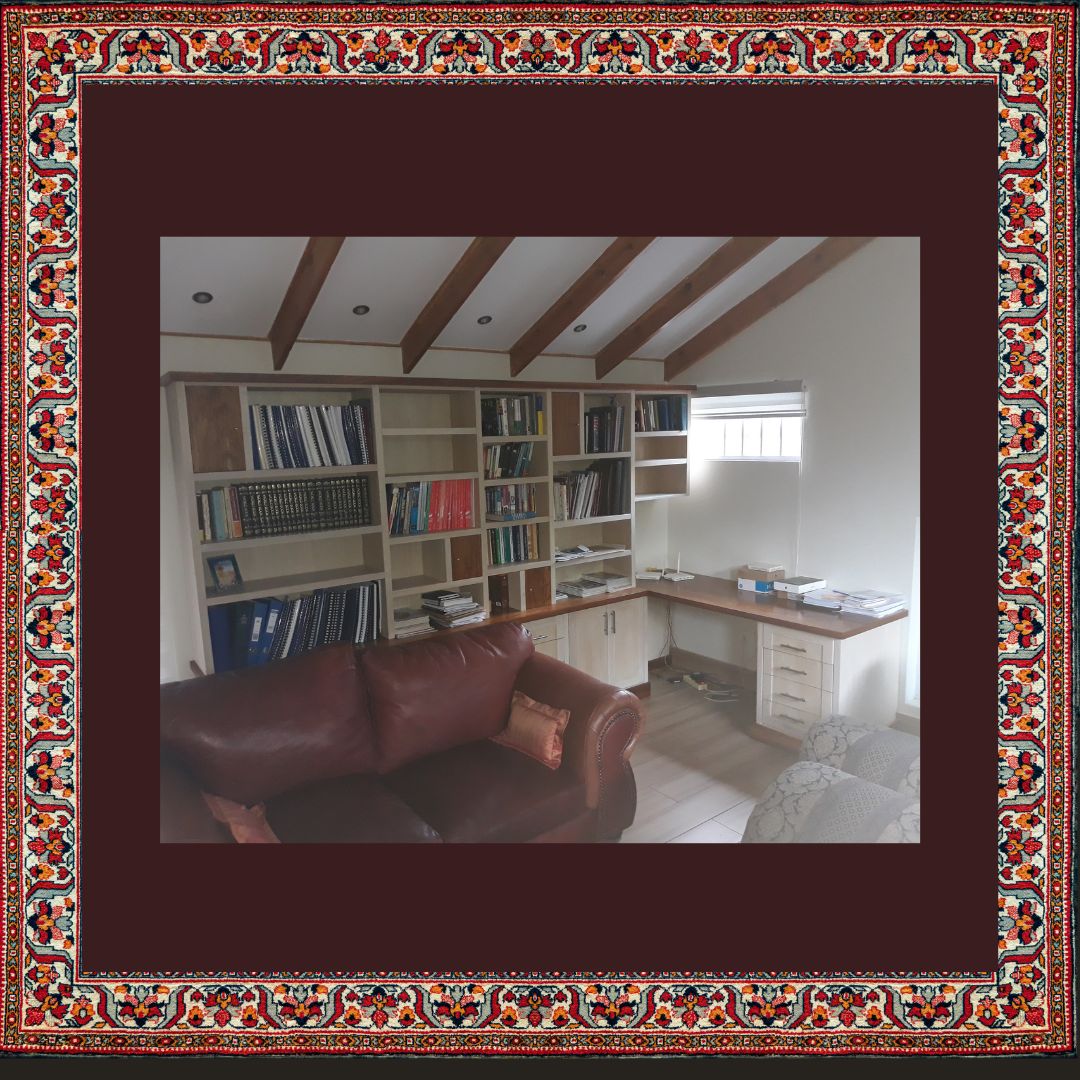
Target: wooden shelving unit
(421, 432)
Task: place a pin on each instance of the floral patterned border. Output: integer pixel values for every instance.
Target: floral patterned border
(1026, 1006)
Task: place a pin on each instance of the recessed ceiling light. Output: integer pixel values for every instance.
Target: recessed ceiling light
(361, 309)
(202, 297)
(581, 326)
(484, 320)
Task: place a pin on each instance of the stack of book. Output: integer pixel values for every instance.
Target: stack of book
(512, 414)
(873, 602)
(308, 436)
(604, 429)
(611, 582)
(509, 502)
(831, 599)
(600, 491)
(507, 460)
(666, 413)
(514, 543)
(428, 506)
(260, 631)
(409, 622)
(447, 609)
(759, 577)
(585, 551)
(272, 508)
(583, 587)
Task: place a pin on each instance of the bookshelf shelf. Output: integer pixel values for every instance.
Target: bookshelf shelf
(413, 478)
(591, 520)
(418, 432)
(218, 546)
(394, 433)
(254, 475)
(288, 583)
(412, 538)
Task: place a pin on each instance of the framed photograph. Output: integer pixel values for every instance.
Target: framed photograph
(224, 572)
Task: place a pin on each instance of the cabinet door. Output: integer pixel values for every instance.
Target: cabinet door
(588, 638)
(629, 664)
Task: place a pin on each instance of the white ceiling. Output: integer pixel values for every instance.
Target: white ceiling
(246, 275)
(396, 276)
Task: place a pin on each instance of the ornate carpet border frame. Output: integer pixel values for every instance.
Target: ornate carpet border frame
(1025, 1006)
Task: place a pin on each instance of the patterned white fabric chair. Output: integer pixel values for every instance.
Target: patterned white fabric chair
(854, 784)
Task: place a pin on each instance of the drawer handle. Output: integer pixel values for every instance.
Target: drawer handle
(791, 696)
(793, 648)
(784, 716)
(793, 670)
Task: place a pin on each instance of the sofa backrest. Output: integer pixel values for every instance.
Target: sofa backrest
(251, 734)
(443, 691)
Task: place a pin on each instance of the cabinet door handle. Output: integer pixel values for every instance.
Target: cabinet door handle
(793, 670)
(791, 696)
(793, 648)
(605, 623)
(613, 622)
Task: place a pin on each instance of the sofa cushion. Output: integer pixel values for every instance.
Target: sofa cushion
(535, 729)
(257, 732)
(246, 823)
(485, 793)
(430, 695)
(346, 810)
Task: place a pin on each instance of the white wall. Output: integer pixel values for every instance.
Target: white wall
(853, 338)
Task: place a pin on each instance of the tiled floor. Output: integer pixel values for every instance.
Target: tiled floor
(698, 772)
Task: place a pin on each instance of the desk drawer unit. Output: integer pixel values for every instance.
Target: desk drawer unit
(787, 719)
(549, 636)
(807, 698)
(797, 668)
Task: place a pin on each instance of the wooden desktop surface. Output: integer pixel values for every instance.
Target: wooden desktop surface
(711, 594)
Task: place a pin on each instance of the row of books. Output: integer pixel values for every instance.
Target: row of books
(599, 491)
(604, 429)
(514, 543)
(447, 608)
(310, 436)
(428, 506)
(512, 414)
(273, 508)
(507, 460)
(508, 502)
(260, 631)
(872, 602)
(666, 413)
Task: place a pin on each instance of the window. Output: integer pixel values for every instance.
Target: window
(742, 423)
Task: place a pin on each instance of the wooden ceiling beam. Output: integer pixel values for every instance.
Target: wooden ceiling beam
(480, 256)
(618, 255)
(757, 305)
(735, 254)
(299, 298)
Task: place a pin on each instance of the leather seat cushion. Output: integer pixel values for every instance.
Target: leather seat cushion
(485, 793)
(347, 810)
(251, 734)
(426, 696)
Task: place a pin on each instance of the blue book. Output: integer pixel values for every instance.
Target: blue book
(258, 620)
(281, 438)
(270, 626)
(254, 438)
(221, 638)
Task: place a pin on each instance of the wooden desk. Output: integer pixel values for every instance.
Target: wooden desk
(725, 597)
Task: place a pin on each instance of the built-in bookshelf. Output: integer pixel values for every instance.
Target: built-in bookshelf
(342, 500)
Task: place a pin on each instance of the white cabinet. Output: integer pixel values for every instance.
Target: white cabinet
(803, 677)
(608, 642)
(550, 636)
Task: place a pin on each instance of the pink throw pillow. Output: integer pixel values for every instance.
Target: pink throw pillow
(248, 824)
(535, 729)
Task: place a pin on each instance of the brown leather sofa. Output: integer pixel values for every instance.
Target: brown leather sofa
(391, 745)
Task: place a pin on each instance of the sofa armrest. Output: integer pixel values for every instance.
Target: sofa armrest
(604, 725)
(184, 817)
